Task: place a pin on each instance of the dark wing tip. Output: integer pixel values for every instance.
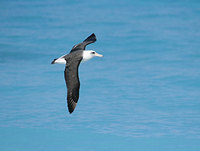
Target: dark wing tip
(91, 38)
(71, 106)
(82, 45)
(70, 111)
(93, 34)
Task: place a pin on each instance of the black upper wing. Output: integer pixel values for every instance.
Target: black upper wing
(81, 46)
(72, 81)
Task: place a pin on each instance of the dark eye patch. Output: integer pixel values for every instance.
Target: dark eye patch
(92, 52)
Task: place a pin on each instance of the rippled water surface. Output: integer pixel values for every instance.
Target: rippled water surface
(143, 95)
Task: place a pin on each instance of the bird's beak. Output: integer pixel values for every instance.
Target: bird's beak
(98, 55)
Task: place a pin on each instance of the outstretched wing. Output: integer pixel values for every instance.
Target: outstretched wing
(72, 82)
(81, 46)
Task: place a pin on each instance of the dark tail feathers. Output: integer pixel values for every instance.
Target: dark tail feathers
(53, 62)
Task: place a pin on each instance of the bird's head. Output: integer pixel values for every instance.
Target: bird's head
(89, 54)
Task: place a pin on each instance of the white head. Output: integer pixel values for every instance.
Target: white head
(89, 54)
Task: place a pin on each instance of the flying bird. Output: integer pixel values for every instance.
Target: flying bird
(72, 61)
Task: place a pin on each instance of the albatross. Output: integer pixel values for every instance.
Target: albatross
(72, 61)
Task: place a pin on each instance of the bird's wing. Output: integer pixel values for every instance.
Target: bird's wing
(81, 46)
(72, 82)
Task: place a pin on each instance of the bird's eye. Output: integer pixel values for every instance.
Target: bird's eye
(93, 52)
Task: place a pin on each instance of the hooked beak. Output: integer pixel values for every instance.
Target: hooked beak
(98, 55)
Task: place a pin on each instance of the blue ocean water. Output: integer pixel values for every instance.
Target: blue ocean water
(143, 95)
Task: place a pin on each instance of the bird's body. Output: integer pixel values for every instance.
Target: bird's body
(72, 61)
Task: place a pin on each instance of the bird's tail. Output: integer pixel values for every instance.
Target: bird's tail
(53, 62)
